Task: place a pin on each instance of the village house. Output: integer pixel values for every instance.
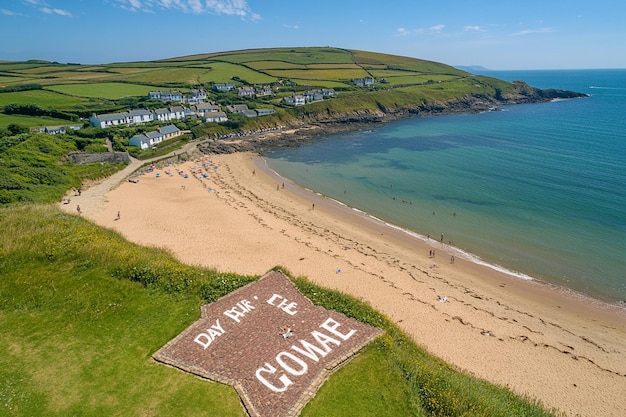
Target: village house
(150, 139)
(194, 96)
(265, 112)
(141, 116)
(266, 90)
(163, 114)
(246, 91)
(175, 96)
(110, 119)
(202, 108)
(178, 112)
(295, 100)
(214, 117)
(53, 130)
(223, 87)
(363, 82)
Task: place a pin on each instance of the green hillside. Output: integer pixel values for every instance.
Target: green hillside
(80, 90)
(82, 311)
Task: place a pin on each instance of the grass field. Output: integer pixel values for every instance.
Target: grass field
(42, 98)
(320, 74)
(8, 80)
(102, 90)
(222, 72)
(31, 121)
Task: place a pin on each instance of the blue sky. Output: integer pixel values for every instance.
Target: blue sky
(497, 34)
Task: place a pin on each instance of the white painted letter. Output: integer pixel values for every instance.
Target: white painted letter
(289, 368)
(271, 370)
(217, 326)
(271, 300)
(309, 350)
(234, 314)
(324, 340)
(331, 325)
(201, 343)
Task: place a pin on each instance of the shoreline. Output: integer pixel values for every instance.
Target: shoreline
(604, 303)
(517, 333)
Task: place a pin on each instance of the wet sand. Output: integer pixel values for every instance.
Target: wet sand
(565, 350)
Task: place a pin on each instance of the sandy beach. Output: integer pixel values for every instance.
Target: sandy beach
(234, 214)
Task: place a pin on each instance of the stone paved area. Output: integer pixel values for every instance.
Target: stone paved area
(239, 341)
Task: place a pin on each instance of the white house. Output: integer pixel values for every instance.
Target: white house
(177, 112)
(295, 100)
(53, 130)
(247, 91)
(215, 117)
(266, 90)
(223, 87)
(169, 131)
(141, 141)
(141, 116)
(110, 119)
(162, 115)
(150, 139)
(201, 109)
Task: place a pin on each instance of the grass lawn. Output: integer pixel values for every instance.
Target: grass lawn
(102, 90)
(223, 72)
(31, 121)
(43, 98)
(320, 74)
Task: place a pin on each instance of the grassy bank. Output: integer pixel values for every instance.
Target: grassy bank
(82, 311)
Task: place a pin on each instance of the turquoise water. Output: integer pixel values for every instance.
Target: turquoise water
(537, 189)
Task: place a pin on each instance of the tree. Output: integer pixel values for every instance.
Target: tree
(15, 129)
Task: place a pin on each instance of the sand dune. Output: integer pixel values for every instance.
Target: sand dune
(565, 350)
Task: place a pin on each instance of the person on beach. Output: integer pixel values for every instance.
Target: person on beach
(313, 206)
(78, 209)
(452, 259)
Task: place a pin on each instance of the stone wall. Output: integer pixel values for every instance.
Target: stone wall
(96, 158)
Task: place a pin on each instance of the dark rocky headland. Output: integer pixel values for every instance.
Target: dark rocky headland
(306, 129)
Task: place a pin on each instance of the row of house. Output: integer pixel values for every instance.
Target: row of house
(153, 138)
(309, 96)
(249, 91)
(194, 96)
(245, 111)
(56, 130)
(207, 111)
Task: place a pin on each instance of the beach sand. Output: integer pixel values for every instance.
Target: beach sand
(567, 351)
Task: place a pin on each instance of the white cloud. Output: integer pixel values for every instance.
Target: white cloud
(291, 26)
(402, 32)
(45, 8)
(437, 28)
(219, 7)
(474, 29)
(7, 12)
(533, 31)
(60, 12)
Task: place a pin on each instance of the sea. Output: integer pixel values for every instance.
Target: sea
(534, 190)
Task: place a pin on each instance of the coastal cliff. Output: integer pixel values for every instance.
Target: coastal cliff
(322, 120)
